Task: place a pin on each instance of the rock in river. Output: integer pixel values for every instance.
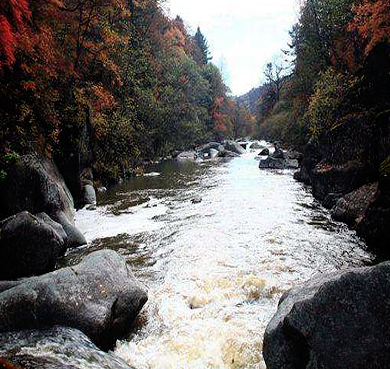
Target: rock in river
(100, 296)
(55, 348)
(28, 246)
(34, 184)
(234, 147)
(264, 152)
(276, 163)
(335, 321)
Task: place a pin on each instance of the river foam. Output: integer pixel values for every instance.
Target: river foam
(220, 265)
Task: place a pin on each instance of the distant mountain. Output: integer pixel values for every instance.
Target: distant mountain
(251, 98)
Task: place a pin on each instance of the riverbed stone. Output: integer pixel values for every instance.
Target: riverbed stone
(28, 246)
(100, 296)
(234, 147)
(334, 321)
(55, 348)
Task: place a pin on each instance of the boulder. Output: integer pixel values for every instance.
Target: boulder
(275, 163)
(234, 147)
(187, 155)
(28, 246)
(335, 321)
(75, 237)
(99, 296)
(89, 195)
(264, 152)
(278, 153)
(329, 178)
(34, 184)
(211, 145)
(351, 208)
(213, 153)
(56, 226)
(55, 348)
(228, 154)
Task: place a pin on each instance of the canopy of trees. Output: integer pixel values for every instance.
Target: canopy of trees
(338, 91)
(114, 80)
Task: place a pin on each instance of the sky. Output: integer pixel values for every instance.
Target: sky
(243, 35)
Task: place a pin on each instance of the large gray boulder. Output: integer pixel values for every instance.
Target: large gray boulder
(205, 149)
(234, 147)
(55, 348)
(89, 195)
(334, 321)
(55, 225)
(99, 296)
(28, 246)
(34, 184)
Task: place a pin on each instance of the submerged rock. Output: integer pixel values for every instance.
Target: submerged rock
(28, 246)
(55, 348)
(100, 296)
(335, 321)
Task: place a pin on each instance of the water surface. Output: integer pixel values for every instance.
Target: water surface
(215, 269)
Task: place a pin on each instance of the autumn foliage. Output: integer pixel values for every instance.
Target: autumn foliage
(109, 81)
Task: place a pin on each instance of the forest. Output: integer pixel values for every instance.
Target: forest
(336, 87)
(107, 84)
(112, 83)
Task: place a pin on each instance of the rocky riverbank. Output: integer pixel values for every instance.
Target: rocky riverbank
(91, 304)
(356, 194)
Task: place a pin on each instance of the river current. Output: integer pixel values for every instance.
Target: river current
(214, 269)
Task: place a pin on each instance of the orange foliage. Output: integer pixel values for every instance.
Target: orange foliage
(14, 15)
(372, 21)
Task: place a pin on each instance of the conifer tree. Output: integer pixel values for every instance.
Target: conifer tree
(203, 46)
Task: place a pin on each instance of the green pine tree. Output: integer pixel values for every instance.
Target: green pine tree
(203, 46)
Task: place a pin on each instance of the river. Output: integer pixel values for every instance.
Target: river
(214, 269)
